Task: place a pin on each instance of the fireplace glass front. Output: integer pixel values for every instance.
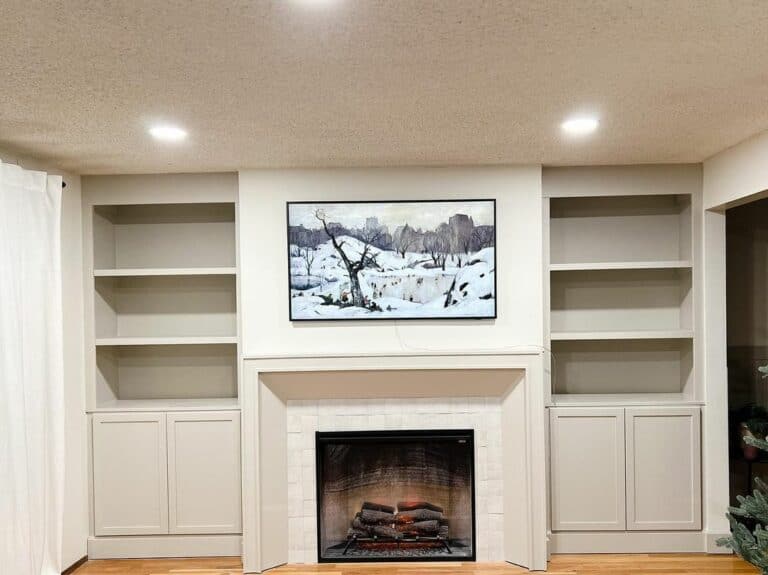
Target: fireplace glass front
(395, 496)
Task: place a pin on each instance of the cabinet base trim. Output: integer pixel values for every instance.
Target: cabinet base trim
(162, 546)
(713, 547)
(628, 542)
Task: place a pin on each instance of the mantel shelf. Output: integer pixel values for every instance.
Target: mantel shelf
(138, 272)
(187, 340)
(621, 335)
(639, 265)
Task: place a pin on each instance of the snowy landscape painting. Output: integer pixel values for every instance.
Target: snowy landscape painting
(392, 260)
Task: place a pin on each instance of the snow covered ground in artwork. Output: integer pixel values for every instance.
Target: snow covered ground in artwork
(403, 287)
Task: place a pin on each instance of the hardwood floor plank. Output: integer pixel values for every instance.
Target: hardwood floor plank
(640, 564)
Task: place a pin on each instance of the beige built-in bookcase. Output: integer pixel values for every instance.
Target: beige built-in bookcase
(621, 314)
(164, 301)
(162, 337)
(621, 317)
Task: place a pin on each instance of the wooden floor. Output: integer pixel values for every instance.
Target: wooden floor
(678, 564)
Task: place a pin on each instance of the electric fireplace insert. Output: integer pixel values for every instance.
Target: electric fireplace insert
(395, 495)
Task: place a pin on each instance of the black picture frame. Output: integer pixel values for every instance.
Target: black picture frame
(323, 319)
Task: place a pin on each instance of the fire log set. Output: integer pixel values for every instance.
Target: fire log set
(411, 522)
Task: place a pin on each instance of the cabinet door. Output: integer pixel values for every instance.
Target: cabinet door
(587, 462)
(204, 472)
(663, 468)
(130, 481)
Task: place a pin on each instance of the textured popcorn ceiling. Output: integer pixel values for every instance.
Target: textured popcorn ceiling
(372, 83)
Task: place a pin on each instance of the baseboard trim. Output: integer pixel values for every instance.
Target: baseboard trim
(71, 569)
(712, 546)
(165, 546)
(628, 542)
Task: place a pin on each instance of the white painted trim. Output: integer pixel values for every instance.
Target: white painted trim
(164, 546)
(713, 547)
(628, 542)
(715, 374)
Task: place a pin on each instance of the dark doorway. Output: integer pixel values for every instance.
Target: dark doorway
(747, 310)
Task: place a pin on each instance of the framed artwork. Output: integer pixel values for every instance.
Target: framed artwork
(433, 259)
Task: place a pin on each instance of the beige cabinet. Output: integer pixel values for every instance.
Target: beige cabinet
(587, 450)
(166, 473)
(204, 472)
(663, 468)
(130, 484)
(625, 469)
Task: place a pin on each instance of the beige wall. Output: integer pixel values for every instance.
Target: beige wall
(75, 482)
(735, 174)
(266, 329)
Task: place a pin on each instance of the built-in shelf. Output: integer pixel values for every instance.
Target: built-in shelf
(188, 340)
(162, 236)
(624, 399)
(148, 272)
(652, 303)
(622, 367)
(630, 265)
(164, 302)
(169, 369)
(621, 335)
(620, 229)
(167, 306)
(202, 404)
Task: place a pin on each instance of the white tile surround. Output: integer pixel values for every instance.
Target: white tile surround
(305, 417)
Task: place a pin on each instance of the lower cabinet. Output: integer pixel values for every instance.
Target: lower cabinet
(625, 469)
(663, 468)
(166, 473)
(587, 450)
(204, 472)
(130, 481)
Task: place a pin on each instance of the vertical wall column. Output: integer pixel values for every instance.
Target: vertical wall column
(715, 411)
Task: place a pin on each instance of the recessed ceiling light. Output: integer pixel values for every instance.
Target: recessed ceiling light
(580, 126)
(167, 133)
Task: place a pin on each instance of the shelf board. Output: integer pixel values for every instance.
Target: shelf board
(599, 400)
(642, 265)
(184, 340)
(205, 404)
(137, 272)
(619, 335)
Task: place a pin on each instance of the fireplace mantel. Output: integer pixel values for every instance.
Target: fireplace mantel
(269, 382)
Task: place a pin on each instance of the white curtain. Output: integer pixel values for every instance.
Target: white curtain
(31, 373)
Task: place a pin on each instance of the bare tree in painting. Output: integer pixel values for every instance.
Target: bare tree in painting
(309, 259)
(438, 246)
(365, 258)
(405, 239)
(483, 237)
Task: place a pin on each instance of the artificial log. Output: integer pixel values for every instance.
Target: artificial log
(418, 515)
(378, 507)
(420, 527)
(372, 517)
(414, 505)
(358, 525)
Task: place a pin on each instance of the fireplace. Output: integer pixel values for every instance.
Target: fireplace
(395, 495)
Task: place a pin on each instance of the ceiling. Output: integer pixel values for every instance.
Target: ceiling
(374, 83)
